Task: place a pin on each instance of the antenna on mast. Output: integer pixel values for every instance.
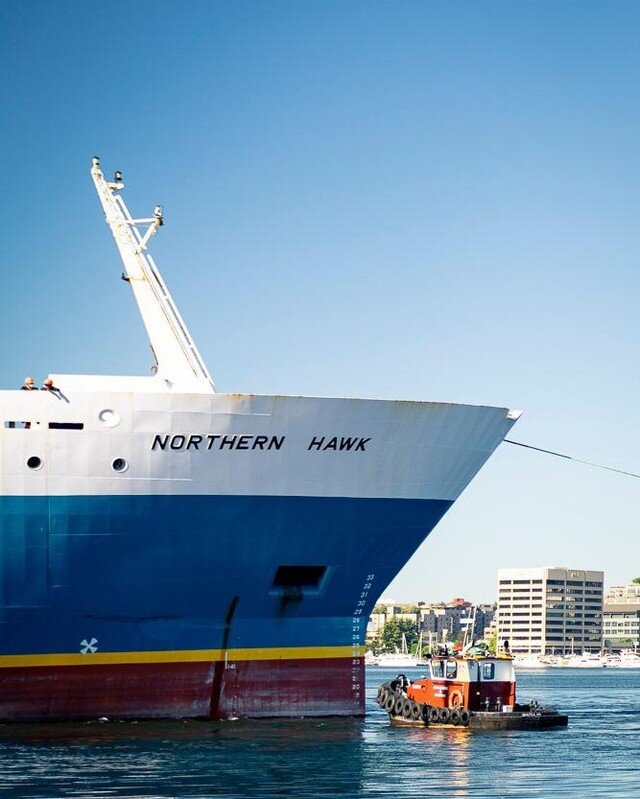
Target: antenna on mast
(177, 358)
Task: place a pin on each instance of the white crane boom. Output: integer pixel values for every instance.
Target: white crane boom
(178, 361)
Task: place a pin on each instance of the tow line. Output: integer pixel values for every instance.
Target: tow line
(571, 458)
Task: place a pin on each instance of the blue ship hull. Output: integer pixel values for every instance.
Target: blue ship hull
(163, 583)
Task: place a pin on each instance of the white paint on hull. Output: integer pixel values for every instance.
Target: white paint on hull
(412, 450)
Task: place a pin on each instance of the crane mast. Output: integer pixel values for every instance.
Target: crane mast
(177, 358)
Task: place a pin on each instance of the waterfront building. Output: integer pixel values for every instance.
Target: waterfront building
(491, 630)
(441, 621)
(384, 611)
(376, 623)
(623, 595)
(485, 621)
(438, 621)
(445, 620)
(550, 610)
(621, 626)
(621, 617)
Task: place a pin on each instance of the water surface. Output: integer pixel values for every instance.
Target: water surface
(596, 756)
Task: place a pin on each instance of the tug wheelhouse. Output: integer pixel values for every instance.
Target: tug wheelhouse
(474, 684)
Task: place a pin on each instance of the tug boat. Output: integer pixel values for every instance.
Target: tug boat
(474, 690)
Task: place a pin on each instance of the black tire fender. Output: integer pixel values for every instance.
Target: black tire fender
(454, 716)
(465, 715)
(416, 711)
(444, 715)
(399, 704)
(389, 702)
(434, 715)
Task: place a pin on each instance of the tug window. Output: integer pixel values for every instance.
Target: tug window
(488, 671)
(34, 462)
(437, 668)
(451, 670)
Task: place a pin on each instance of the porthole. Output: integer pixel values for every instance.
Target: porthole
(119, 465)
(34, 462)
(109, 417)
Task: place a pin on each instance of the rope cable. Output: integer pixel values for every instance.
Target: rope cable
(571, 458)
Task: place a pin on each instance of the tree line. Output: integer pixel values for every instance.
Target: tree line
(389, 638)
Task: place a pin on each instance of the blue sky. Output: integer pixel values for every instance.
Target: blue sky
(434, 201)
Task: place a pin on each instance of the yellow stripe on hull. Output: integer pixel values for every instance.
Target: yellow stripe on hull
(179, 656)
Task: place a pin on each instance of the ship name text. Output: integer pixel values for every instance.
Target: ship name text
(338, 443)
(179, 442)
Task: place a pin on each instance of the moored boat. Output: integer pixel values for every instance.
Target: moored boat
(402, 659)
(530, 662)
(586, 660)
(626, 659)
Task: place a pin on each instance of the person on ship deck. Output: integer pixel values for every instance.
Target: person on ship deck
(48, 386)
(28, 385)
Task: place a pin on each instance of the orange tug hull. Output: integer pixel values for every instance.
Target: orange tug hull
(452, 694)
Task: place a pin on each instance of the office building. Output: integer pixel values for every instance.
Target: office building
(623, 595)
(621, 626)
(621, 617)
(550, 610)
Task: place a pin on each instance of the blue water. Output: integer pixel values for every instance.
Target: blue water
(598, 755)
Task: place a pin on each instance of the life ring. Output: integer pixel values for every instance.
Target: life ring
(456, 699)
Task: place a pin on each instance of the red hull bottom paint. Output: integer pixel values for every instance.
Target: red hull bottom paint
(251, 689)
